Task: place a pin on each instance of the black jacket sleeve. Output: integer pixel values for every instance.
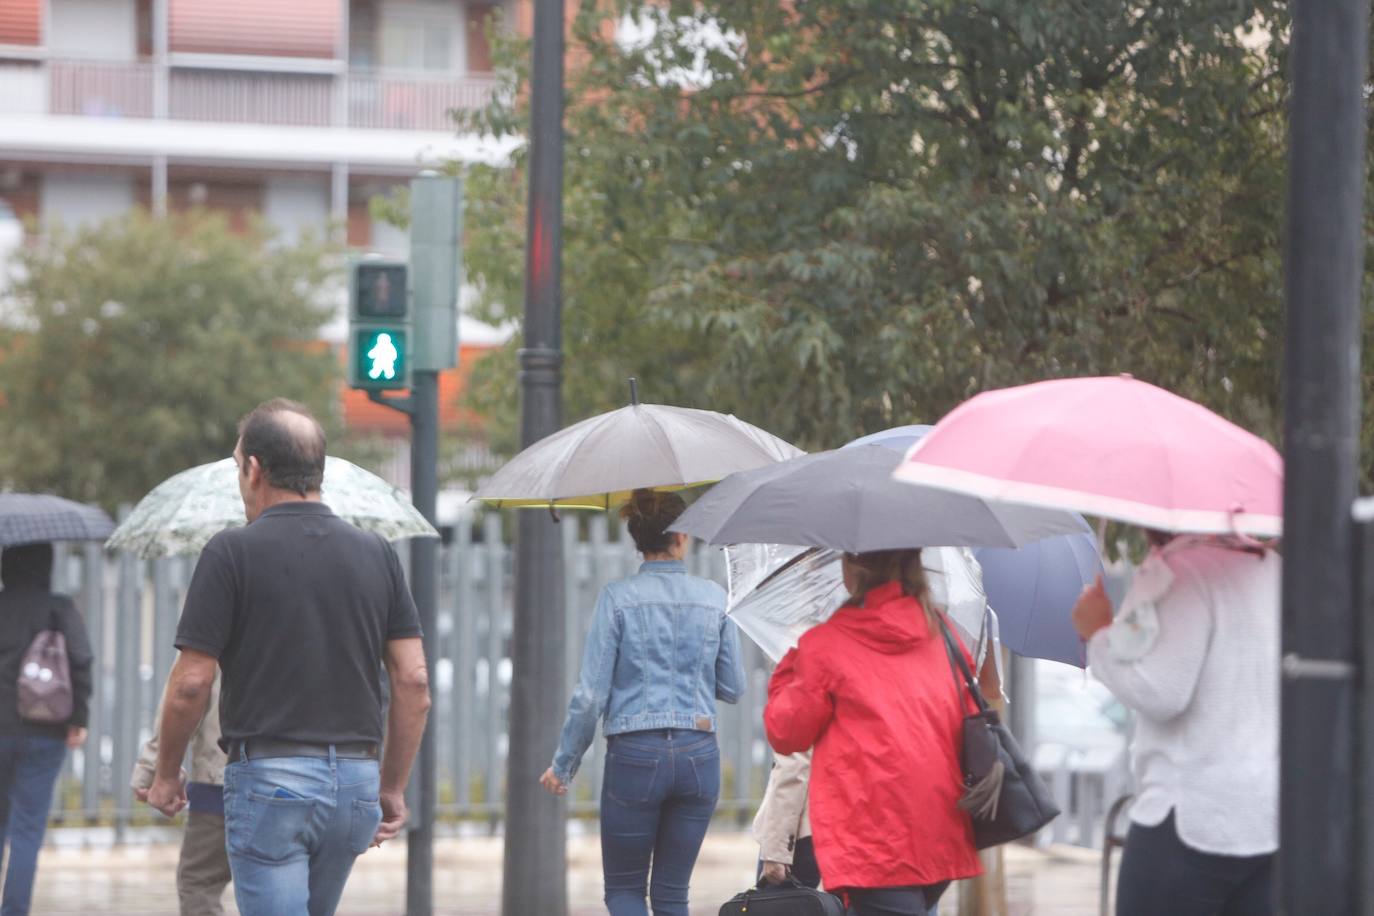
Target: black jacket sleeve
(80, 659)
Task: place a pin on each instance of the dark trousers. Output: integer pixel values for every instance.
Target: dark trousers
(29, 765)
(657, 800)
(1160, 874)
(896, 901)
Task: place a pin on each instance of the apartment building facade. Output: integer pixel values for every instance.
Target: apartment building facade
(298, 110)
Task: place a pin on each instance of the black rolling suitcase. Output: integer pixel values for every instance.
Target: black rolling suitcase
(786, 899)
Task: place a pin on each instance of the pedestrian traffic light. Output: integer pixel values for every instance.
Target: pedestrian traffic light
(379, 325)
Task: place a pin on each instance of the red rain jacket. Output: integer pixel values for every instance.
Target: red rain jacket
(872, 690)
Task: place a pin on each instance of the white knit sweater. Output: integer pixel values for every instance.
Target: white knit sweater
(1195, 652)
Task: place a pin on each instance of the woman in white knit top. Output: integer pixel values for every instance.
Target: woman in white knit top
(1194, 652)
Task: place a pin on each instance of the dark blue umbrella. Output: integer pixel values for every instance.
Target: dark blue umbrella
(28, 518)
(1032, 588)
(898, 438)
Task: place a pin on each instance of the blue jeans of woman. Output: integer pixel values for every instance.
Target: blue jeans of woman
(293, 826)
(1161, 874)
(657, 799)
(29, 765)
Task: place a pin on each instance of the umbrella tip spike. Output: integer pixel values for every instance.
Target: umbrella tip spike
(634, 392)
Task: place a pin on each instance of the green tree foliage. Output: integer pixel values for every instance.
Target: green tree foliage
(835, 216)
(131, 348)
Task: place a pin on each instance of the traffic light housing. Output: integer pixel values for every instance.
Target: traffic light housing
(379, 326)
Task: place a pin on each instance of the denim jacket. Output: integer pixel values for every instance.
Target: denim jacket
(660, 653)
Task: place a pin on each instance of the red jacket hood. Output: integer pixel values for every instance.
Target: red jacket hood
(889, 621)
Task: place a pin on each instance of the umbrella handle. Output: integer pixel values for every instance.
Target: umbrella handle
(1247, 542)
(553, 513)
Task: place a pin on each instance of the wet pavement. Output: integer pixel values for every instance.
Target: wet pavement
(81, 873)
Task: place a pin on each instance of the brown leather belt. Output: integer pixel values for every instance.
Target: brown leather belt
(257, 748)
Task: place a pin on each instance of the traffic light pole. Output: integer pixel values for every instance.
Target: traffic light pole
(1325, 246)
(422, 406)
(535, 876)
(434, 279)
(424, 488)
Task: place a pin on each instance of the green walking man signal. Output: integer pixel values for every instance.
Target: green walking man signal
(379, 325)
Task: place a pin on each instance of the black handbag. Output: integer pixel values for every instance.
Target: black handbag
(786, 899)
(1003, 794)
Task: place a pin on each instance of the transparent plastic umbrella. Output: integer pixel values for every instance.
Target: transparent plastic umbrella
(777, 593)
(182, 513)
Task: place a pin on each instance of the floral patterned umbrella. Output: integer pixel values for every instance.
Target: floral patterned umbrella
(184, 511)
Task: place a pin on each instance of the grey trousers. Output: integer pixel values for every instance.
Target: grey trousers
(203, 870)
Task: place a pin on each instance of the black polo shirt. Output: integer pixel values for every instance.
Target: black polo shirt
(298, 608)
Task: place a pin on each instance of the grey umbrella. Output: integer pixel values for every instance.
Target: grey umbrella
(27, 518)
(596, 463)
(847, 500)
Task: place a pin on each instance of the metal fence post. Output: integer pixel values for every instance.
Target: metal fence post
(93, 604)
(128, 621)
(464, 662)
(495, 613)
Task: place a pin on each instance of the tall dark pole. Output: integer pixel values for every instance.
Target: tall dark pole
(1321, 415)
(535, 879)
(424, 487)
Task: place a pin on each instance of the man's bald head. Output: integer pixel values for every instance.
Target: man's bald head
(288, 443)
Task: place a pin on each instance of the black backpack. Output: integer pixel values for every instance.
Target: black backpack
(786, 899)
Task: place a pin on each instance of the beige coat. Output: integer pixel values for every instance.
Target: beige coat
(207, 760)
(782, 818)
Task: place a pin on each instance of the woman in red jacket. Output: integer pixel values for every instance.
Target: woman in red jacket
(871, 689)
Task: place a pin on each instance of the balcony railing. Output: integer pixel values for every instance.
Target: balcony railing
(361, 99)
(410, 102)
(100, 89)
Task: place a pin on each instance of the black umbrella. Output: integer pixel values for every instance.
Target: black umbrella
(27, 518)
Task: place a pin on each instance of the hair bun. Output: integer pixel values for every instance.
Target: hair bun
(644, 503)
(649, 513)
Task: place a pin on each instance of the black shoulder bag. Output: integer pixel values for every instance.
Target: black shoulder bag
(1002, 792)
(786, 899)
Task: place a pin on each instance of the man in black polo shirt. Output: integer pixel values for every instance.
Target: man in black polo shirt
(299, 609)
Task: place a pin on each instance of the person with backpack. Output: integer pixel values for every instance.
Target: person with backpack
(45, 691)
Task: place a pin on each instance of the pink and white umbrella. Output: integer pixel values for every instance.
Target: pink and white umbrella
(1114, 447)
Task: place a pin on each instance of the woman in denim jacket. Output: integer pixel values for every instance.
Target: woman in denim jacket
(660, 653)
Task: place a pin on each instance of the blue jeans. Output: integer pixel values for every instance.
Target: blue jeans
(28, 769)
(293, 826)
(657, 800)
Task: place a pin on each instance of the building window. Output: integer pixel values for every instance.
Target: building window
(421, 36)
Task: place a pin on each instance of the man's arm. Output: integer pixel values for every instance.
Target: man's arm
(405, 725)
(183, 706)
